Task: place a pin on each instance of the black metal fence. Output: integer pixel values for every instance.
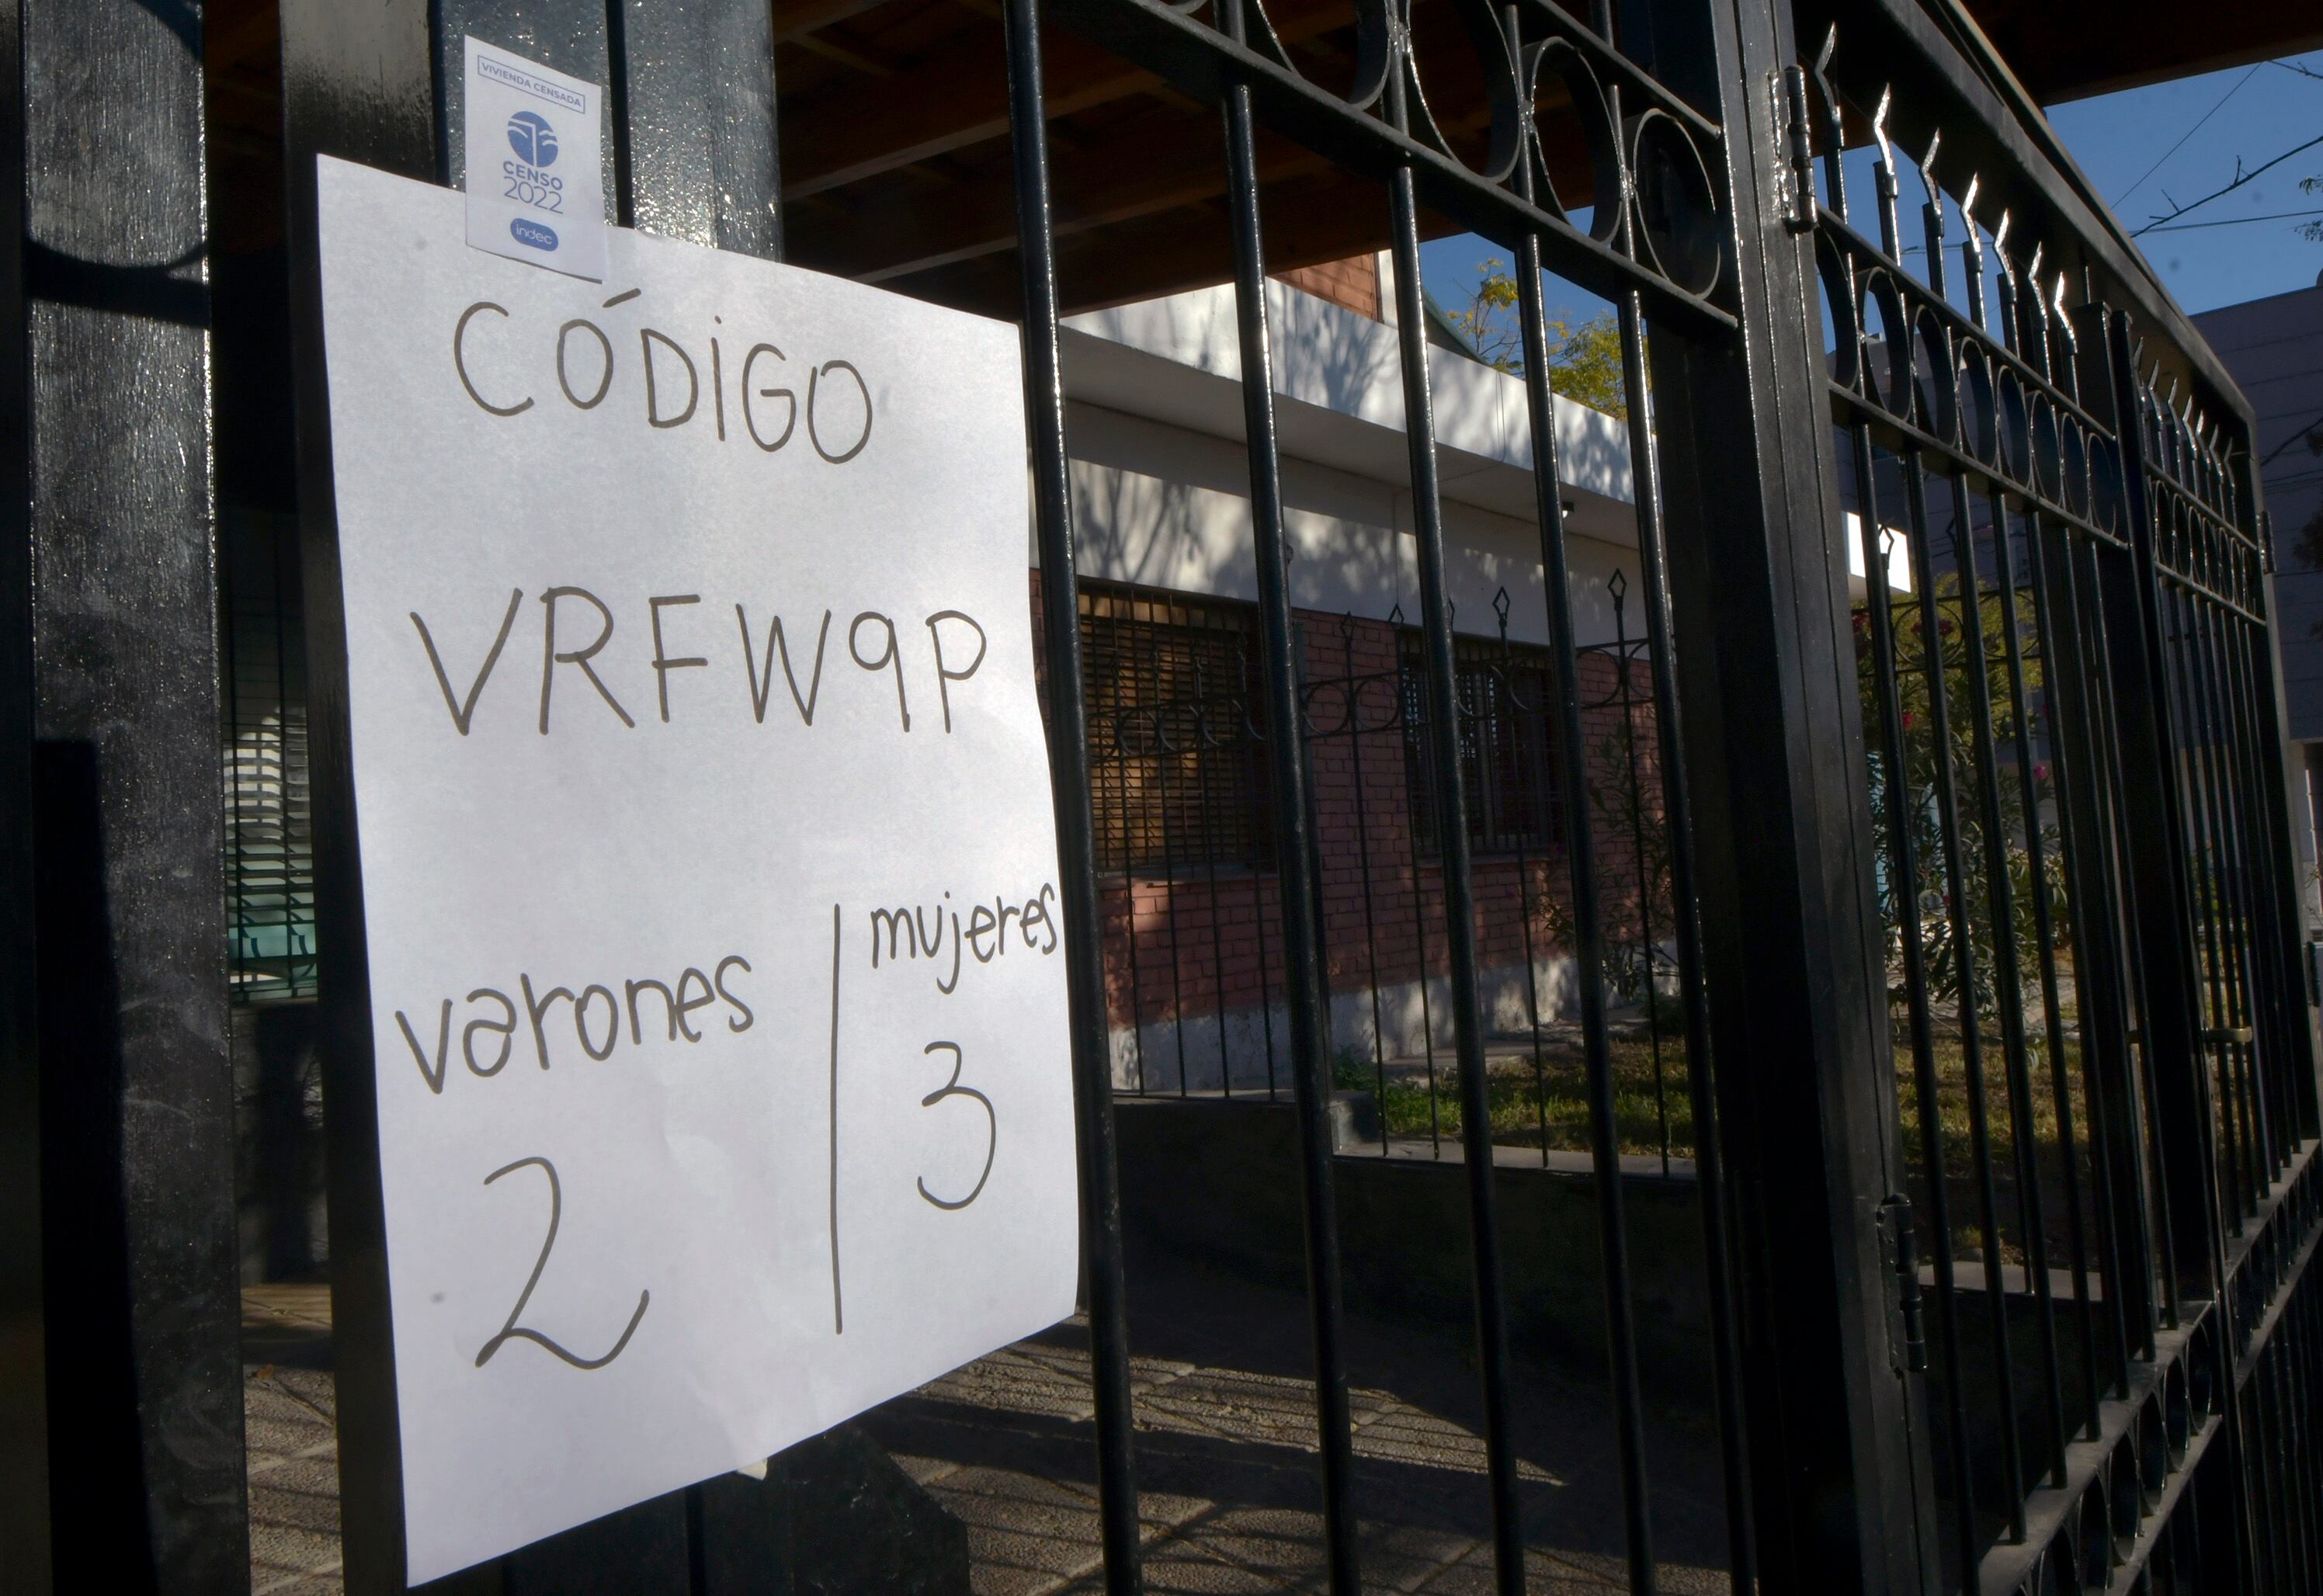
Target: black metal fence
(1960, 907)
(2106, 1072)
(1193, 945)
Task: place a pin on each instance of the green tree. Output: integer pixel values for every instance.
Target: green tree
(1584, 360)
(1926, 903)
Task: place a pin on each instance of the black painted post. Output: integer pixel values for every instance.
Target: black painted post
(1792, 949)
(24, 1332)
(694, 86)
(143, 1367)
(2155, 849)
(357, 83)
(689, 152)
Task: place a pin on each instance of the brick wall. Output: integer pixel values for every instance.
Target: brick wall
(1194, 961)
(1353, 283)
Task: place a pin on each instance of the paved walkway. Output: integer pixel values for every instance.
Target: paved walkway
(1225, 1456)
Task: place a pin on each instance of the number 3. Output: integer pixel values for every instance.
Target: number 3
(511, 1329)
(953, 1089)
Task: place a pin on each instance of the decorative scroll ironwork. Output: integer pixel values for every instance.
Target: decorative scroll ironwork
(1655, 197)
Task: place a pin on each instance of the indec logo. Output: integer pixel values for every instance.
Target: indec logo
(533, 139)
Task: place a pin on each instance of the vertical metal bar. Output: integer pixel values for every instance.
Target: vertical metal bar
(135, 1117)
(2008, 997)
(1252, 746)
(2110, 1083)
(2084, 570)
(1205, 748)
(24, 1519)
(692, 152)
(1422, 802)
(2103, 978)
(1627, 707)
(1678, 817)
(1355, 732)
(1300, 888)
(2156, 834)
(2278, 994)
(279, 612)
(1511, 707)
(358, 85)
(1157, 708)
(691, 89)
(2265, 1004)
(1904, 870)
(2157, 837)
(1792, 956)
(2263, 667)
(2266, 1007)
(1605, 1153)
(1459, 905)
(1114, 659)
(1948, 819)
(1258, 918)
(2044, 934)
(2225, 930)
(693, 93)
(2188, 772)
(1100, 1178)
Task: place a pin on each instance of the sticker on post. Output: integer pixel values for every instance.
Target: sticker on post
(536, 183)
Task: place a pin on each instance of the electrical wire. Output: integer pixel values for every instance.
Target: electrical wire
(2189, 133)
(2235, 221)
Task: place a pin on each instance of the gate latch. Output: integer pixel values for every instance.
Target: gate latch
(1795, 178)
(1899, 1248)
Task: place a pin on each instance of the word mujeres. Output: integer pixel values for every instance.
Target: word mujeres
(915, 932)
(674, 381)
(873, 642)
(655, 1010)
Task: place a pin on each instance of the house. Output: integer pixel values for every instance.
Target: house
(2275, 347)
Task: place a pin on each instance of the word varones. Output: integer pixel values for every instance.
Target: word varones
(675, 385)
(654, 1011)
(576, 626)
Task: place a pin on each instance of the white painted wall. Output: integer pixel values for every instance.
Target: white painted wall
(1163, 506)
(1160, 480)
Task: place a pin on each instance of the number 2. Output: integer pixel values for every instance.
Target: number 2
(511, 1329)
(953, 1089)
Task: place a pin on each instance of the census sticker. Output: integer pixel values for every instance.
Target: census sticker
(536, 182)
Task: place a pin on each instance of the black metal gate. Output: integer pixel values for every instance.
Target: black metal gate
(1973, 889)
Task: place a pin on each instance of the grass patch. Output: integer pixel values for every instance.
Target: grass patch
(1963, 1191)
(1550, 1102)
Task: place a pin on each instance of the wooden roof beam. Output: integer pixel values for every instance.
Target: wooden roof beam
(1330, 220)
(851, 132)
(1117, 181)
(843, 134)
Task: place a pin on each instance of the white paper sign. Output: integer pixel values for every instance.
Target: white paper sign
(535, 172)
(708, 863)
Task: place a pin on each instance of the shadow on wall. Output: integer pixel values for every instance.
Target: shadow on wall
(1218, 1182)
(1184, 1053)
(84, 1214)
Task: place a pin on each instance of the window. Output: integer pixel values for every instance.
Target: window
(1175, 753)
(269, 840)
(1507, 708)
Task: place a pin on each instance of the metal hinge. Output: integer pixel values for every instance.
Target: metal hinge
(1899, 1248)
(1795, 178)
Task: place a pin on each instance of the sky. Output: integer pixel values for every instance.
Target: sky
(2146, 150)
